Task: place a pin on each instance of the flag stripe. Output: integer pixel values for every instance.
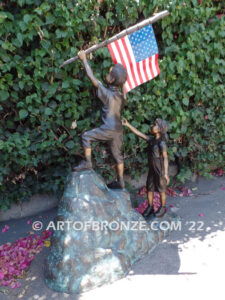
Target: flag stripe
(139, 73)
(125, 62)
(150, 65)
(145, 70)
(148, 69)
(118, 60)
(112, 53)
(142, 71)
(157, 63)
(127, 88)
(127, 54)
(132, 59)
(154, 66)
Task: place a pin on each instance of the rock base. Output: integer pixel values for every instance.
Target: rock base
(101, 238)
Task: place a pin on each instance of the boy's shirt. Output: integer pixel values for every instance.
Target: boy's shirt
(111, 110)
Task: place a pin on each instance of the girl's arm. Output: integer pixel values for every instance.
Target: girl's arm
(134, 130)
(166, 163)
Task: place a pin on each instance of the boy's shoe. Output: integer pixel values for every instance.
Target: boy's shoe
(84, 165)
(161, 212)
(149, 210)
(122, 183)
(116, 185)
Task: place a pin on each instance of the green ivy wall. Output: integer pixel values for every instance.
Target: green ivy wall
(39, 101)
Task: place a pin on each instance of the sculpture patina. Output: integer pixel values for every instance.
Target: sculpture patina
(112, 129)
(158, 177)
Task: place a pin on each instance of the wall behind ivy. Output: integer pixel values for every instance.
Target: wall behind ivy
(39, 101)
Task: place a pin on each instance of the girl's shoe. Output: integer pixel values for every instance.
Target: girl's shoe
(149, 210)
(161, 212)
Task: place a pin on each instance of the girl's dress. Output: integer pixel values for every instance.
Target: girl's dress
(156, 181)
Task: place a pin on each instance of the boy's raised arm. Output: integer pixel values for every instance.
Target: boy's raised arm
(134, 130)
(94, 80)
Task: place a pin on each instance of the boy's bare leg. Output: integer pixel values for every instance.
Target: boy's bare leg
(120, 170)
(85, 164)
(87, 154)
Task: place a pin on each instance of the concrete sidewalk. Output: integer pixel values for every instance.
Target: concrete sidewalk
(187, 264)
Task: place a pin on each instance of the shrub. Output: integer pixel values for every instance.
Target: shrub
(39, 101)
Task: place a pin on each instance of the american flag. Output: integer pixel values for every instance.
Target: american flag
(138, 53)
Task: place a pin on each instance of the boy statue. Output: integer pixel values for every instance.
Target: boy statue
(112, 129)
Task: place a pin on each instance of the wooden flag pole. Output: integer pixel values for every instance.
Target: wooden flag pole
(127, 31)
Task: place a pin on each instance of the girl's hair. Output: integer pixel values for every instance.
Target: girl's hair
(163, 127)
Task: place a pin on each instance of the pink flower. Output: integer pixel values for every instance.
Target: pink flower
(29, 222)
(5, 283)
(223, 188)
(171, 205)
(1, 275)
(14, 258)
(201, 215)
(15, 285)
(206, 117)
(5, 228)
(24, 266)
(46, 234)
(11, 270)
(218, 172)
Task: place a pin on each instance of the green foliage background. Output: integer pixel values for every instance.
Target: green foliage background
(39, 101)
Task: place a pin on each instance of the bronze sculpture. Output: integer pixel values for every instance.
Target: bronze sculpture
(112, 129)
(158, 177)
(84, 259)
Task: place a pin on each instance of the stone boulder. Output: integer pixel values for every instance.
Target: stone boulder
(101, 238)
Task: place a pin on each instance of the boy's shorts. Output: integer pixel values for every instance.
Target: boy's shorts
(114, 138)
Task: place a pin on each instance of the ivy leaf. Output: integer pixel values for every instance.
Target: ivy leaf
(70, 144)
(4, 95)
(185, 101)
(23, 113)
(27, 18)
(48, 111)
(65, 84)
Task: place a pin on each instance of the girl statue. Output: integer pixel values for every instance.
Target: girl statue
(158, 178)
